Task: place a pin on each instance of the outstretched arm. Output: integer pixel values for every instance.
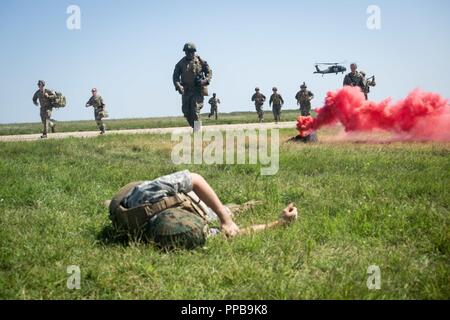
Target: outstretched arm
(289, 215)
(210, 198)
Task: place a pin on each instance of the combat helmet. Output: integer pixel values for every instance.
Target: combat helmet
(303, 86)
(256, 89)
(274, 89)
(41, 82)
(189, 47)
(176, 228)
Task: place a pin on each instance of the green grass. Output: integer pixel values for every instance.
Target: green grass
(360, 205)
(143, 123)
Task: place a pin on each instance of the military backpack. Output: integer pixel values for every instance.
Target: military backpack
(133, 220)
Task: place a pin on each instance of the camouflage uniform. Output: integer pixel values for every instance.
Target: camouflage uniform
(187, 74)
(354, 80)
(173, 226)
(304, 98)
(276, 100)
(46, 108)
(259, 100)
(367, 84)
(214, 104)
(99, 111)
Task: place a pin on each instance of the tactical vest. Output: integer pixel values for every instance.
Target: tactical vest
(133, 220)
(276, 100)
(303, 96)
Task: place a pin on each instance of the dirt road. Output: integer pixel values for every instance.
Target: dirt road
(90, 134)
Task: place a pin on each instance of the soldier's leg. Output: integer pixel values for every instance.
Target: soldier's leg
(279, 113)
(196, 107)
(302, 110)
(100, 125)
(186, 97)
(260, 113)
(308, 110)
(44, 121)
(215, 111)
(49, 120)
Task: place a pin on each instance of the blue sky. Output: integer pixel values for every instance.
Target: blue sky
(128, 49)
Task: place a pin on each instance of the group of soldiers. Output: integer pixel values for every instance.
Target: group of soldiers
(191, 78)
(46, 100)
(276, 101)
(192, 75)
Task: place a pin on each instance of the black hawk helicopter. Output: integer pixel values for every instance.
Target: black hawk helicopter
(334, 68)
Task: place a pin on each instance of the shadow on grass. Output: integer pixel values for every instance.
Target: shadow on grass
(109, 236)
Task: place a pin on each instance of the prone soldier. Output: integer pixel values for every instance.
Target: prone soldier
(180, 211)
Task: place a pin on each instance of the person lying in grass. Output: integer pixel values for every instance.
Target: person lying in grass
(179, 210)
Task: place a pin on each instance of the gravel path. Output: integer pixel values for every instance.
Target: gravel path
(90, 134)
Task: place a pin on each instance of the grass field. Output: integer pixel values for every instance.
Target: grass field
(142, 123)
(361, 204)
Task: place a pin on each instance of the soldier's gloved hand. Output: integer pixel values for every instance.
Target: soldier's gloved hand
(179, 88)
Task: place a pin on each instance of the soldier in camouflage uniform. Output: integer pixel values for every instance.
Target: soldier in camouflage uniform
(259, 100)
(214, 102)
(367, 84)
(96, 101)
(276, 100)
(354, 78)
(171, 225)
(44, 96)
(191, 78)
(304, 98)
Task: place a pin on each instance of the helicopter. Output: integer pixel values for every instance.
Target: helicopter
(335, 68)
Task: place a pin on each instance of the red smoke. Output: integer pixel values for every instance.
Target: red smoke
(421, 116)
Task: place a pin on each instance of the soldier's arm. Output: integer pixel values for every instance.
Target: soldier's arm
(288, 216)
(210, 198)
(89, 103)
(35, 98)
(253, 97)
(270, 100)
(176, 78)
(311, 95)
(347, 81)
(206, 70)
(282, 100)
